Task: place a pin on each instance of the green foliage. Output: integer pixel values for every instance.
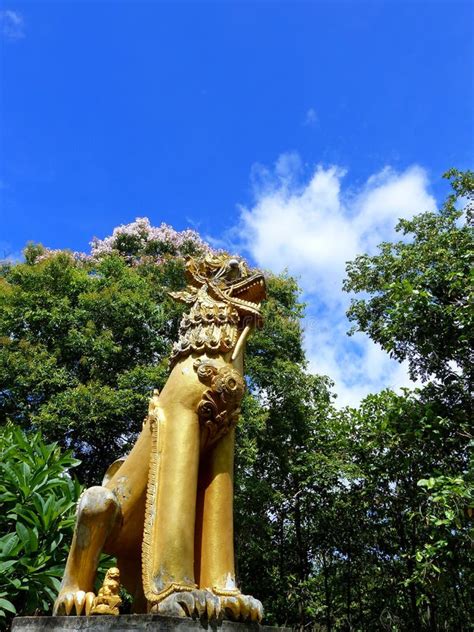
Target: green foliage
(398, 441)
(448, 506)
(286, 488)
(37, 500)
(418, 306)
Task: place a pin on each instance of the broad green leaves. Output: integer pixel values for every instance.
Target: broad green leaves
(37, 501)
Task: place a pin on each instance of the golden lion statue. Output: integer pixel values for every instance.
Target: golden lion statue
(166, 510)
(108, 598)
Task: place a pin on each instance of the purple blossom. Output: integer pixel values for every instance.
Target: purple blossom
(140, 242)
(52, 252)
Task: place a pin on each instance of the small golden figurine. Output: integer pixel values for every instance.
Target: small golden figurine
(108, 600)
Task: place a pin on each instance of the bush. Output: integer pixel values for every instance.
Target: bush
(37, 515)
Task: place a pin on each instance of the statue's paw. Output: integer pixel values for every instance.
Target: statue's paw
(193, 603)
(242, 608)
(73, 602)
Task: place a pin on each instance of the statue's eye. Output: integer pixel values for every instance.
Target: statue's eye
(233, 269)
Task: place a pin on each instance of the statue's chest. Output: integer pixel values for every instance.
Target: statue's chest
(209, 327)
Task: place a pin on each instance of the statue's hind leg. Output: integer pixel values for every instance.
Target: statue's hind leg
(109, 518)
(97, 514)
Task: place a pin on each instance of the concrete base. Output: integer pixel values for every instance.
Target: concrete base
(133, 622)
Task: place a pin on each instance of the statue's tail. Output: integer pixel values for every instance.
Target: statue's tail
(112, 470)
(155, 421)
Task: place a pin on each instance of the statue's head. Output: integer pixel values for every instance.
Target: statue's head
(224, 296)
(229, 279)
(113, 574)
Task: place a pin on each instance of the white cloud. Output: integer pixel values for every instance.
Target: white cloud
(389, 196)
(12, 24)
(313, 228)
(311, 118)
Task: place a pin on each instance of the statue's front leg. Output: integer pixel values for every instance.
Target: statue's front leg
(215, 533)
(98, 512)
(168, 553)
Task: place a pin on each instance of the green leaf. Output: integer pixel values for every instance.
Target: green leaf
(5, 565)
(23, 534)
(7, 605)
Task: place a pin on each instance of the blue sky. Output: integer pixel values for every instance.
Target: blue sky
(297, 132)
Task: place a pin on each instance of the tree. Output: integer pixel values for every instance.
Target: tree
(419, 309)
(85, 338)
(423, 571)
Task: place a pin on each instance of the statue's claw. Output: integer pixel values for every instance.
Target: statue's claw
(200, 603)
(213, 607)
(187, 602)
(90, 596)
(79, 601)
(256, 610)
(193, 603)
(75, 602)
(68, 603)
(169, 607)
(231, 607)
(242, 608)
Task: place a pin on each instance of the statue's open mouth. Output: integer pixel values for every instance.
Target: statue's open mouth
(229, 280)
(246, 295)
(249, 292)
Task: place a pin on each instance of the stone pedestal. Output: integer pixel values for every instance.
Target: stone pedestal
(133, 623)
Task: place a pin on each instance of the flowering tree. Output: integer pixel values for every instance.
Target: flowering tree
(139, 242)
(86, 336)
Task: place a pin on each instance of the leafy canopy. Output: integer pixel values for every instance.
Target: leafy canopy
(85, 338)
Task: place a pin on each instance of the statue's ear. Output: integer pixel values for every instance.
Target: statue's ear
(244, 269)
(184, 296)
(192, 269)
